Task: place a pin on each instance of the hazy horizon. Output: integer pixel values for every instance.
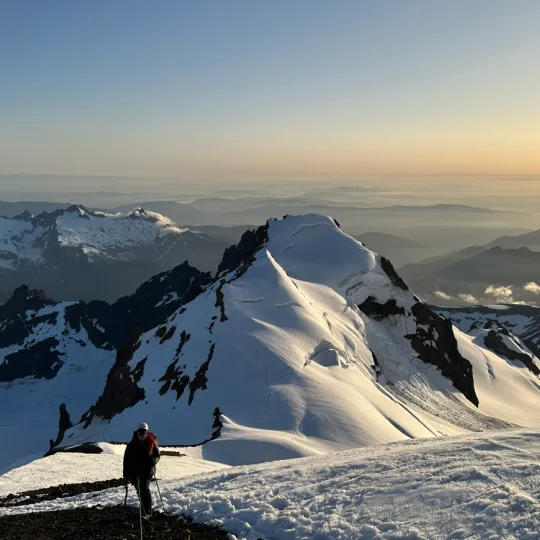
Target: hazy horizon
(518, 194)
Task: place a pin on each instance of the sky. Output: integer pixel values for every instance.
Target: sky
(273, 90)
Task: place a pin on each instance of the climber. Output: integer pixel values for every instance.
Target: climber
(140, 458)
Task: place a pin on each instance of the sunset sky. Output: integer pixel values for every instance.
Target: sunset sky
(270, 89)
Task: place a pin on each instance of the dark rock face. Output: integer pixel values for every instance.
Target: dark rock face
(14, 327)
(64, 423)
(241, 256)
(174, 379)
(40, 361)
(160, 332)
(495, 342)
(237, 258)
(217, 425)
(220, 302)
(390, 271)
(376, 366)
(168, 335)
(436, 344)
(150, 305)
(378, 311)
(200, 379)
(142, 312)
(84, 448)
(109, 326)
(121, 390)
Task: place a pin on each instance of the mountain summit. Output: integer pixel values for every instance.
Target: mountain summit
(75, 253)
(304, 342)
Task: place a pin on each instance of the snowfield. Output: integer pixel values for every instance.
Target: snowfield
(475, 487)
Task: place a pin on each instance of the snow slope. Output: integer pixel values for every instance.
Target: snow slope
(29, 406)
(305, 343)
(475, 487)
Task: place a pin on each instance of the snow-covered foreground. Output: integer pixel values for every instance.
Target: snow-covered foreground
(474, 487)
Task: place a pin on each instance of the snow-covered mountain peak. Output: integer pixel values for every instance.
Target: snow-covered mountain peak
(77, 226)
(304, 342)
(97, 235)
(76, 253)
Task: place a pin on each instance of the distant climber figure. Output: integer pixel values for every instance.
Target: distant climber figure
(140, 458)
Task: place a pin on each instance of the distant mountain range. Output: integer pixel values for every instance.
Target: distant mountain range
(438, 229)
(237, 211)
(477, 275)
(78, 254)
(353, 213)
(529, 240)
(12, 209)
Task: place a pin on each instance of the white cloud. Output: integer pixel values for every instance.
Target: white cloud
(532, 287)
(442, 295)
(502, 294)
(468, 298)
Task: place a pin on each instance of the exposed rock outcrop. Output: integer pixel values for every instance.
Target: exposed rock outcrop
(241, 256)
(390, 271)
(121, 390)
(494, 341)
(436, 344)
(379, 311)
(174, 378)
(39, 361)
(200, 379)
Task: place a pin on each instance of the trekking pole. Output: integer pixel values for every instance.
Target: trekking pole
(140, 505)
(159, 492)
(125, 498)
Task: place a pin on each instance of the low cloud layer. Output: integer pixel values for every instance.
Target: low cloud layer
(501, 294)
(442, 295)
(532, 287)
(468, 298)
(496, 294)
